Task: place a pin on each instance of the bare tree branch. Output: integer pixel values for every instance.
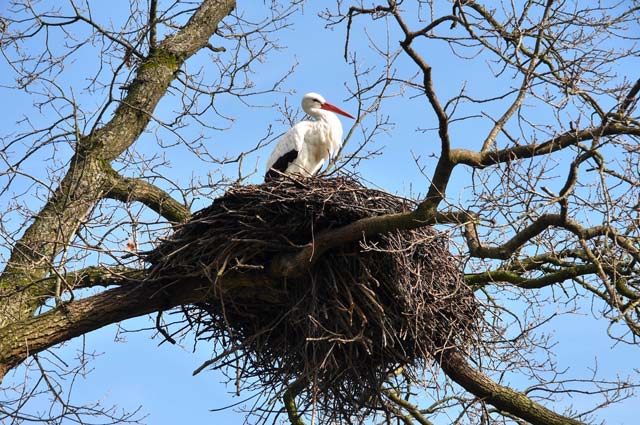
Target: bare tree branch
(504, 398)
(132, 298)
(127, 189)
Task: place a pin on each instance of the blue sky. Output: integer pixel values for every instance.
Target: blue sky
(131, 370)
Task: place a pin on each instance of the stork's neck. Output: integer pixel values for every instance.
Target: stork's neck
(326, 116)
(332, 129)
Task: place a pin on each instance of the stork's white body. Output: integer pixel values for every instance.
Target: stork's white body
(315, 141)
(308, 144)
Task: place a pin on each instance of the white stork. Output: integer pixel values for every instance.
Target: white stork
(304, 148)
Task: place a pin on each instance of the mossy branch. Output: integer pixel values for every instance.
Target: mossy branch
(413, 410)
(503, 398)
(477, 280)
(289, 399)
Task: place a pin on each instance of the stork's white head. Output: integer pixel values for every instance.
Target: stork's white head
(313, 104)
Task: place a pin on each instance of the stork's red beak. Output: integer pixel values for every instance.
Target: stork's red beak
(329, 107)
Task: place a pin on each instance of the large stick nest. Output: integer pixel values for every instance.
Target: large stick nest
(362, 311)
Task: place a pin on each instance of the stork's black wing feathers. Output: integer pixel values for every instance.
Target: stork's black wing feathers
(281, 165)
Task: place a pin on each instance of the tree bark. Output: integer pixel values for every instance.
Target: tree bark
(456, 367)
(132, 298)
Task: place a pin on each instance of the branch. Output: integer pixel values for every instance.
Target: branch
(289, 399)
(506, 250)
(132, 298)
(295, 264)
(94, 276)
(443, 170)
(413, 410)
(153, 16)
(570, 138)
(630, 98)
(499, 125)
(477, 280)
(127, 189)
(505, 399)
(291, 265)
